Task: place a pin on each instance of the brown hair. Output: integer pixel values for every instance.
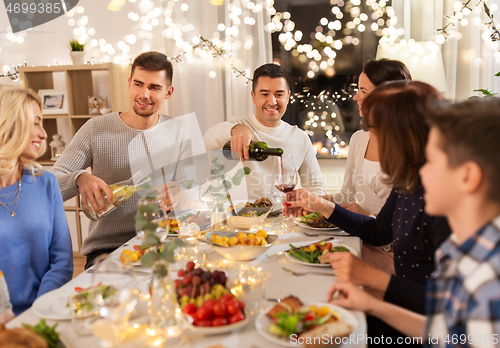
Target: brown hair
(154, 61)
(382, 70)
(396, 113)
(470, 131)
(272, 70)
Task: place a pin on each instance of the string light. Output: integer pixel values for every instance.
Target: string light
(14, 76)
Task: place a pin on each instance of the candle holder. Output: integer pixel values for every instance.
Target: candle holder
(56, 147)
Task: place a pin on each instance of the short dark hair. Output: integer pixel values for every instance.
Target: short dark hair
(396, 111)
(470, 131)
(382, 70)
(154, 61)
(272, 70)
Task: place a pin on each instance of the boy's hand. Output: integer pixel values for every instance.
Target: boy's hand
(350, 296)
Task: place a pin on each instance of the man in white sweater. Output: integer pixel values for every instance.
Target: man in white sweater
(270, 94)
(118, 145)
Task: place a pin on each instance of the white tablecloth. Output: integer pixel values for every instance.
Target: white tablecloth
(310, 288)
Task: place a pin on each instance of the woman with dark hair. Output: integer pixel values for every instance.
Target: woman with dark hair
(394, 113)
(364, 191)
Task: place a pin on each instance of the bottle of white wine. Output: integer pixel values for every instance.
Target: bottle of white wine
(122, 191)
(258, 151)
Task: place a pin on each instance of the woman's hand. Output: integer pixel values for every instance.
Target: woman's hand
(349, 269)
(351, 297)
(355, 208)
(169, 195)
(302, 199)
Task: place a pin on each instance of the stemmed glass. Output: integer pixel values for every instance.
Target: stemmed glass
(285, 178)
(117, 300)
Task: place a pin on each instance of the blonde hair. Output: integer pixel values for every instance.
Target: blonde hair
(16, 124)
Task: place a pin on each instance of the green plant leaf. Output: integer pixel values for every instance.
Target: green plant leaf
(497, 74)
(227, 184)
(247, 170)
(146, 209)
(150, 240)
(485, 92)
(188, 184)
(151, 195)
(150, 227)
(148, 259)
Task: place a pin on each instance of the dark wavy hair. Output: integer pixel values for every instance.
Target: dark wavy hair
(272, 70)
(382, 70)
(154, 61)
(395, 112)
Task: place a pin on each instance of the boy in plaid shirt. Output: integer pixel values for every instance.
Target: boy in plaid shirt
(462, 182)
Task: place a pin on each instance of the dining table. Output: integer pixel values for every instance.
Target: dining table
(311, 286)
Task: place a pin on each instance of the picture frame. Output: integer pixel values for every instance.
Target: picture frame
(54, 102)
(96, 104)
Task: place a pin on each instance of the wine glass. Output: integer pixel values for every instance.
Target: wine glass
(285, 178)
(115, 298)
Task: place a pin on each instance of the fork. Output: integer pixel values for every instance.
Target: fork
(304, 273)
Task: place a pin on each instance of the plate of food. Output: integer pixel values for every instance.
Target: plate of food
(240, 246)
(54, 304)
(315, 254)
(317, 222)
(39, 335)
(291, 323)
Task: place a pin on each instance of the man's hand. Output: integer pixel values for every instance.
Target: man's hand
(351, 297)
(241, 136)
(355, 208)
(169, 196)
(90, 188)
(349, 269)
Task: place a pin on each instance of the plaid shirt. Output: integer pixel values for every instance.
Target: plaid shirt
(463, 296)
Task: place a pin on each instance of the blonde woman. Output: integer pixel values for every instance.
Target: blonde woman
(35, 244)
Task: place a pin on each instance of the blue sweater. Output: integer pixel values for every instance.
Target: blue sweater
(415, 235)
(35, 245)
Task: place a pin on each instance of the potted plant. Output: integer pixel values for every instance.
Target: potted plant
(77, 54)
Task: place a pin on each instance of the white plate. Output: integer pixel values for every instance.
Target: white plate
(262, 323)
(300, 223)
(217, 330)
(292, 258)
(53, 304)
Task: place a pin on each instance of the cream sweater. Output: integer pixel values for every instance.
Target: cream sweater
(115, 152)
(370, 192)
(291, 139)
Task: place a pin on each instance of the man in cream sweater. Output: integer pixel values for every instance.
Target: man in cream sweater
(270, 94)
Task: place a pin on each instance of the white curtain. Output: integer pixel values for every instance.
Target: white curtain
(469, 63)
(216, 99)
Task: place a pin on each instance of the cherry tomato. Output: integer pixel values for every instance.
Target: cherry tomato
(203, 313)
(231, 307)
(309, 317)
(329, 245)
(220, 310)
(137, 247)
(236, 317)
(204, 323)
(219, 322)
(209, 303)
(190, 308)
(181, 273)
(226, 298)
(240, 305)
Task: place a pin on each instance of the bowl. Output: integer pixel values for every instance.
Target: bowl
(218, 330)
(246, 222)
(240, 252)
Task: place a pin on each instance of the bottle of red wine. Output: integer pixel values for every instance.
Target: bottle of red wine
(258, 151)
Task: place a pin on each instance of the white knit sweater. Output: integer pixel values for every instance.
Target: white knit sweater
(291, 139)
(115, 152)
(369, 191)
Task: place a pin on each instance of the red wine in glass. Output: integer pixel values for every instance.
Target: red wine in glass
(285, 187)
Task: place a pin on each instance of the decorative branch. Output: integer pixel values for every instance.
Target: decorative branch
(216, 52)
(14, 76)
